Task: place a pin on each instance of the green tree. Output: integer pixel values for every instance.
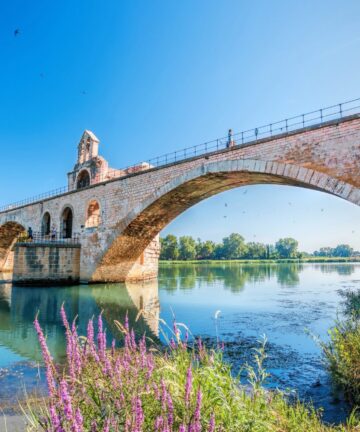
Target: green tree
(234, 246)
(287, 247)
(324, 252)
(218, 251)
(256, 250)
(187, 248)
(205, 250)
(343, 250)
(169, 248)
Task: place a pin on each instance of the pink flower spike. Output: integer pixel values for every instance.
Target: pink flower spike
(188, 385)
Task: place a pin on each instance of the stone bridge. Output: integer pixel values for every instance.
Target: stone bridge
(118, 214)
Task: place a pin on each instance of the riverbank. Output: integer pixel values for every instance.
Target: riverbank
(185, 388)
(313, 260)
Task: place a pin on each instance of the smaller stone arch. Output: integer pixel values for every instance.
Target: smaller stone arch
(66, 222)
(46, 224)
(83, 179)
(93, 214)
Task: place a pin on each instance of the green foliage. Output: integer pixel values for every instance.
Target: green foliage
(287, 247)
(234, 247)
(256, 251)
(351, 302)
(187, 248)
(205, 250)
(342, 353)
(342, 250)
(169, 248)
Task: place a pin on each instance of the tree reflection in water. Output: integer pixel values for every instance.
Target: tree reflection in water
(235, 275)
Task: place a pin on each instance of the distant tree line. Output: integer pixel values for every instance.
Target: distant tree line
(234, 247)
(342, 250)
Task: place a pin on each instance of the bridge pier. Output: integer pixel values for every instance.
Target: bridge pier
(113, 269)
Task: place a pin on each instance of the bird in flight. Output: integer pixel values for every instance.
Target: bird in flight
(225, 204)
(16, 32)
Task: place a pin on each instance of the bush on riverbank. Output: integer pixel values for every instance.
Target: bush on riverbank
(138, 389)
(342, 352)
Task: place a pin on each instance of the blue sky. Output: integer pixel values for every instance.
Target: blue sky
(150, 77)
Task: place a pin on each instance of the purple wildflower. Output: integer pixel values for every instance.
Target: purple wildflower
(197, 414)
(188, 385)
(106, 425)
(212, 423)
(66, 401)
(54, 417)
(170, 409)
(159, 421)
(47, 358)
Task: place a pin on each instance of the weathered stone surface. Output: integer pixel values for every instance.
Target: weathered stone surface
(135, 207)
(37, 264)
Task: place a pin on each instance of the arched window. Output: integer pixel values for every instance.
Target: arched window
(93, 218)
(67, 223)
(83, 180)
(46, 224)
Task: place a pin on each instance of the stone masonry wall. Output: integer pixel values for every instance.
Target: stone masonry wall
(325, 157)
(37, 264)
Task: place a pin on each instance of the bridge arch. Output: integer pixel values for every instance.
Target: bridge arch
(9, 232)
(132, 235)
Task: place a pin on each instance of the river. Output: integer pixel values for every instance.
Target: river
(289, 303)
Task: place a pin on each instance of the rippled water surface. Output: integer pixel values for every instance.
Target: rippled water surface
(286, 302)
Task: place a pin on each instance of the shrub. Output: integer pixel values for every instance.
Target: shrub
(342, 353)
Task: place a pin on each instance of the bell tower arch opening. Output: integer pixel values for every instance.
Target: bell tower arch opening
(83, 179)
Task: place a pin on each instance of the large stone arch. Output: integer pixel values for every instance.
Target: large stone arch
(117, 259)
(9, 232)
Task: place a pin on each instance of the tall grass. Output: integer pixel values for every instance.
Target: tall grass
(137, 388)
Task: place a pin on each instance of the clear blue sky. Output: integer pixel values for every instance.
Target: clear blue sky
(150, 77)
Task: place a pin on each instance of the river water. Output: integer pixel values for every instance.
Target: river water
(289, 303)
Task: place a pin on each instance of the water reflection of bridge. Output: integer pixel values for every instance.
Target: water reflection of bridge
(18, 307)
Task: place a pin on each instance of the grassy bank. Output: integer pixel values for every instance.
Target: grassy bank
(268, 261)
(183, 389)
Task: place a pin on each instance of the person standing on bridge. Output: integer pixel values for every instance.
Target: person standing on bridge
(230, 140)
(53, 233)
(30, 234)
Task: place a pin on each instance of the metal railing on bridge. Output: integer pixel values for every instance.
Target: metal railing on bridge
(51, 239)
(246, 137)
